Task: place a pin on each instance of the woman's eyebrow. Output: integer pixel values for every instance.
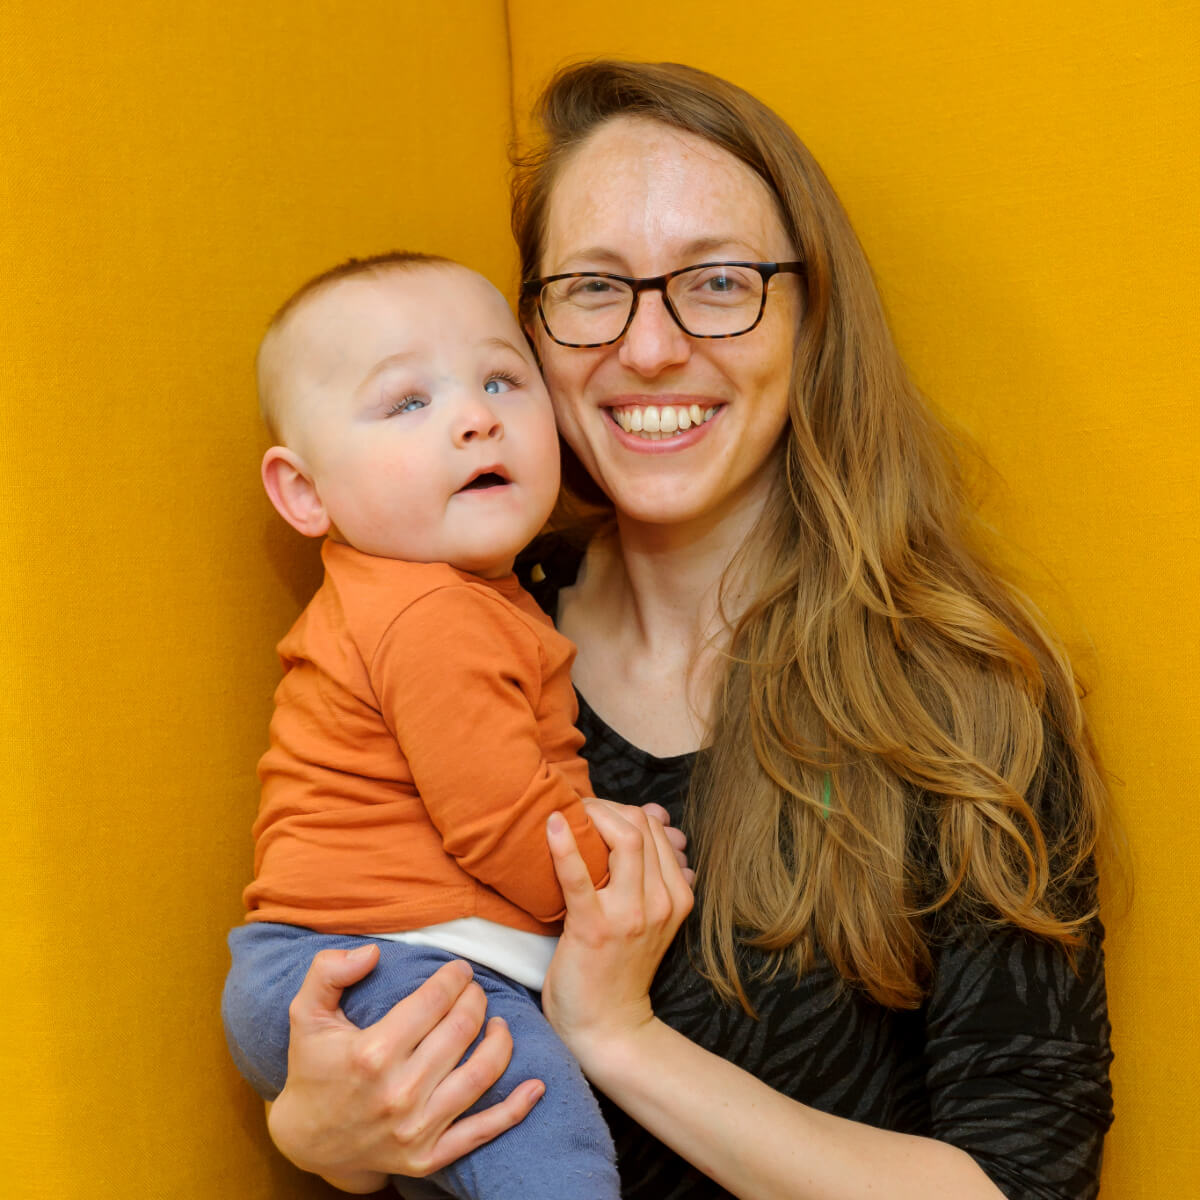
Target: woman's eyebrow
(696, 250)
(709, 245)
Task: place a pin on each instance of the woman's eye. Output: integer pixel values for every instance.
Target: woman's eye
(590, 289)
(407, 405)
(720, 283)
(719, 286)
(497, 385)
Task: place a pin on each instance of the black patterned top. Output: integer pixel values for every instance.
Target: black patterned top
(1007, 1058)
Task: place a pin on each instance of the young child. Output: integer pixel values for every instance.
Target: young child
(423, 730)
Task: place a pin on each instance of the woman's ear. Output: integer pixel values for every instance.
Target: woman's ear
(291, 489)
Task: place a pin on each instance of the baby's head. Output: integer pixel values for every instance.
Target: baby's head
(409, 413)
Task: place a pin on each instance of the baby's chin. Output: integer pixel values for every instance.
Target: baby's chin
(492, 571)
(489, 568)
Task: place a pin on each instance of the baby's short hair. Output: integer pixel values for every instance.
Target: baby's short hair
(375, 264)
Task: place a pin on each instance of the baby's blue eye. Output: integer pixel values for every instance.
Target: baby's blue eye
(498, 385)
(407, 405)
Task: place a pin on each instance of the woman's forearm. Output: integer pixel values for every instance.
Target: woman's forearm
(758, 1143)
(754, 1141)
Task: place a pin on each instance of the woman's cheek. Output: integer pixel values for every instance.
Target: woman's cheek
(566, 413)
(573, 435)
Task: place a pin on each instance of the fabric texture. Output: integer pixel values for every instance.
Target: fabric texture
(423, 732)
(562, 1149)
(1007, 1058)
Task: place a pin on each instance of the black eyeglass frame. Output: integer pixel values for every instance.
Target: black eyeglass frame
(658, 283)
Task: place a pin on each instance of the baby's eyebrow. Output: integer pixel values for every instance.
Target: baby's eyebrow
(502, 344)
(392, 360)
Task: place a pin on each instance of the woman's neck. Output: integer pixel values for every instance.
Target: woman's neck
(650, 614)
(669, 579)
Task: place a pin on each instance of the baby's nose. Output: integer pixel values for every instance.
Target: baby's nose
(477, 419)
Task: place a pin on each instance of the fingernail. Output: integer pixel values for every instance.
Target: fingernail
(556, 822)
(361, 951)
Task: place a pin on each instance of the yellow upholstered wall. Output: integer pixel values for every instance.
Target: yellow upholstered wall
(167, 174)
(1025, 179)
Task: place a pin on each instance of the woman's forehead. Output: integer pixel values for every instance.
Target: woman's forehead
(638, 190)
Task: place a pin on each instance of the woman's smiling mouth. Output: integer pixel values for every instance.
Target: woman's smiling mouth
(654, 422)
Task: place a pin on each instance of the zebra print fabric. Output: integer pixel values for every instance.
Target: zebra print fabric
(1007, 1059)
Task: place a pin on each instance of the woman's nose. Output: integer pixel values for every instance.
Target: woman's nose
(476, 420)
(653, 342)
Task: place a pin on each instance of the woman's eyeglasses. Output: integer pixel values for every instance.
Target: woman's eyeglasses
(710, 300)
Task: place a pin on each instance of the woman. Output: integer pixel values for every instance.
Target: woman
(892, 982)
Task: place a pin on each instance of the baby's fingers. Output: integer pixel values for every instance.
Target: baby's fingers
(676, 837)
(678, 879)
(659, 813)
(678, 841)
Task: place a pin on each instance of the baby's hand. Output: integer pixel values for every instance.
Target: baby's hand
(676, 837)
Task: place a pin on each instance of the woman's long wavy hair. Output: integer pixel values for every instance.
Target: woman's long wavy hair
(892, 710)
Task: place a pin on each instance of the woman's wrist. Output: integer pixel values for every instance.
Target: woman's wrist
(609, 1056)
(358, 1183)
(296, 1148)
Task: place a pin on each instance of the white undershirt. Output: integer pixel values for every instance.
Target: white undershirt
(520, 955)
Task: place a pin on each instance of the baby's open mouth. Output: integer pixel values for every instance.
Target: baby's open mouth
(487, 480)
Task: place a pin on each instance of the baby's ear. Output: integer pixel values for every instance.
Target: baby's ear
(291, 489)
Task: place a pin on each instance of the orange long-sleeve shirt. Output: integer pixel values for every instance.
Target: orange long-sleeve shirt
(423, 732)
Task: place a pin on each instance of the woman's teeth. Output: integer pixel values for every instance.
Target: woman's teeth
(656, 423)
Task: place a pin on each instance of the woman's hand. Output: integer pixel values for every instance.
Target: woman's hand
(362, 1104)
(598, 985)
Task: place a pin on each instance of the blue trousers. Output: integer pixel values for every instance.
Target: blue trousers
(562, 1149)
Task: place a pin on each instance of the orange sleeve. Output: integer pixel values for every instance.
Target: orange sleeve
(459, 679)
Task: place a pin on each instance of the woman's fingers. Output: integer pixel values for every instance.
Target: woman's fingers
(471, 1132)
(623, 828)
(424, 1093)
(382, 1099)
(442, 1050)
(331, 972)
(463, 1086)
(649, 882)
(572, 872)
(445, 1011)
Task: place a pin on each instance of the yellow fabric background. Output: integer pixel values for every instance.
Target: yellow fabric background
(169, 173)
(1024, 179)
